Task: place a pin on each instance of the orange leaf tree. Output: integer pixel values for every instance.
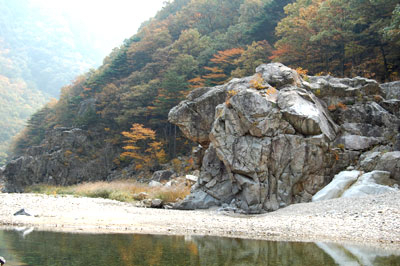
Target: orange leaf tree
(139, 148)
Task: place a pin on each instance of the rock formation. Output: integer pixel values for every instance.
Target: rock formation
(61, 159)
(277, 138)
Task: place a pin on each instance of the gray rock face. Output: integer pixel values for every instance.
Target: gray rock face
(305, 113)
(278, 75)
(58, 161)
(344, 90)
(88, 105)
(392, 105)
(356, 142)
(196, 115)
(276, 144)
(384, 161)
(392, 90)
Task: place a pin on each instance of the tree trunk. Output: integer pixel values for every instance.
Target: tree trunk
(385, 65)
(174, 141)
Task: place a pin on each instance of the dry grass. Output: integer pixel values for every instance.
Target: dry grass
(121, 190)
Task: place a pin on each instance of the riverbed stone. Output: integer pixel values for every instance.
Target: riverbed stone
(154, 183)
(339, 184)
(156, 203)
(372, 183)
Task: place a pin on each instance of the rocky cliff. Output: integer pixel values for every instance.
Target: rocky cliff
(65, 157)
(277, 137)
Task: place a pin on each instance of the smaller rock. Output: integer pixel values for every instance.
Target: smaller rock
(372, 183)
(278, 75)
(357, 143)
(146, 203)
(168, 206)
(155, 184)
(390, 161)
(162, 175)
(141, 196)
(227, 209)
(197, 200)
(392, 90)
(192, 178)
(369, 160)
(22, 212)
(337, 186)
(156, 203)
(197, 155)
(384, 161)
(392, 105)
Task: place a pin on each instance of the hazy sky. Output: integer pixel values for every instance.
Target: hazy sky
(111, 20)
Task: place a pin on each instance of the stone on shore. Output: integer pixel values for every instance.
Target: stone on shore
(372, 183)
(339, 184)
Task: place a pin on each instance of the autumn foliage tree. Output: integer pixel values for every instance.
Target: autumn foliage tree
(142, 147)
(223, 63)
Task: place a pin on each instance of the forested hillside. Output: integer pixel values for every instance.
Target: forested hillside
(17, 104)
(195, 43)
(39, 53)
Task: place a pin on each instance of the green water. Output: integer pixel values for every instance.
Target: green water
(49, 248)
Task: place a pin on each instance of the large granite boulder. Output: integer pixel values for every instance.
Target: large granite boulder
(273, 139)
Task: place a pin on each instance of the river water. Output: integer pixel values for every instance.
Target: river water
(27, 247)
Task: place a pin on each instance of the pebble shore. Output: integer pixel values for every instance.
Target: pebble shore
(370, 220)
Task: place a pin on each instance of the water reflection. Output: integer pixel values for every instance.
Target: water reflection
(347, 255)
(49, 248)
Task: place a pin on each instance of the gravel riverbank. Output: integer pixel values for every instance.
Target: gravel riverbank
(371, 220)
